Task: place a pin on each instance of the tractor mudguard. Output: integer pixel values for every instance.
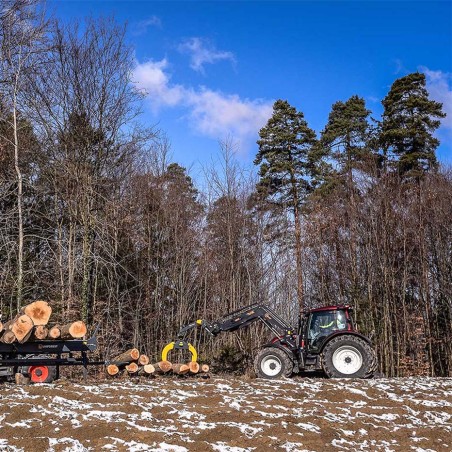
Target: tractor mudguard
(286, 350)
(345, 333)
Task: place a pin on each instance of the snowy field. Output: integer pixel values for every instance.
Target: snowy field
(411, 414)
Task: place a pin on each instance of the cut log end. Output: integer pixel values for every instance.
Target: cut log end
(74, 330)
(193, 367)
(8, 337)
(112, 370)
(21, 379)
(205, 368)
(148, 369)
(163, 366)
(180, 369)
(143, 360)
(40, 332)
(54, 332)
(132, 368)
(39, 312)
(22, 327)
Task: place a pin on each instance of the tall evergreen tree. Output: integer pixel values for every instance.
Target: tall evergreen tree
(345, 137)
(409, 120)
(286, 168)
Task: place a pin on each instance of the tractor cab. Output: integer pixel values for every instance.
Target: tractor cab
(321, 323)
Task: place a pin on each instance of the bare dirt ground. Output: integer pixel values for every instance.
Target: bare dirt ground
(230, 414)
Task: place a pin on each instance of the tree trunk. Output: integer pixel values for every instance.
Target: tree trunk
(20, 251)
(75, 330)
(298, 250)
(180, 369)
(8, 337)
(127, 357)
(21, 326)
(163, 367)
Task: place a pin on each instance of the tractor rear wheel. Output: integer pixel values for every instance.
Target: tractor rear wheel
(39, 373)
(348, 356)
(272, 363)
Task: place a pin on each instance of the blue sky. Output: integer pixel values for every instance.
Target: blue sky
(214, 69)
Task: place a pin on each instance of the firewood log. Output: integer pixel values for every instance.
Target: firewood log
(40, 332)
(21, 326)
(127, 357)
(8, 337)
(1, 327)
(180, 369)
(54, 332)
(162, 367)
(193, 367)
(112, 370)
(132, 368)
(205, 368)
(21, 379)
(148, 369)
(74, 330)
(39, 312)
(143, 360)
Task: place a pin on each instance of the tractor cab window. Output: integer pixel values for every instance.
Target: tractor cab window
(323, 323)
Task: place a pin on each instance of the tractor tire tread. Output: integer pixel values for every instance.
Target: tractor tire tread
(286, 362)
(369, 357)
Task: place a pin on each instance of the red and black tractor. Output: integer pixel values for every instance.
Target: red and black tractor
(326, 340)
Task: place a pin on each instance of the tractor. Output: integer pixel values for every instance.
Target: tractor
(326, 340)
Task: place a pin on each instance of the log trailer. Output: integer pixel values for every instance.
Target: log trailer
(41, 360)
(326, 340)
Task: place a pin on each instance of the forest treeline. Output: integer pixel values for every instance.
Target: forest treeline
(97, 219)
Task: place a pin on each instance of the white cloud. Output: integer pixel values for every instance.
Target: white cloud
(142, 26)
(150, 76)
(211, 113)
(439, 86)
(202, 51)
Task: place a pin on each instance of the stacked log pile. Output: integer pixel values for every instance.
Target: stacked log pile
(31, 324)
(132, 363)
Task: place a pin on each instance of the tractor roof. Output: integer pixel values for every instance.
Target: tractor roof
(330, 308)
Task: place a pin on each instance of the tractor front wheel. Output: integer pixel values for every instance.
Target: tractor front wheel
(272, 363)
(348, 356)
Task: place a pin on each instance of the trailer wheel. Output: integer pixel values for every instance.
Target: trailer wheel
(272, 363)
(348, 356)
(39, 373)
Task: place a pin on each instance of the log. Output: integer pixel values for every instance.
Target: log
(1, 327)
(193, 367)
(143, 360)
(180, 369)
(162, 367)
(127, 357)
(39, 312)
(132, 368)
(112, 370)
(74, 330)
(8, 337)
(21, 379)
(40, 332)
(54, 332)
(148, 369)
(205, 368)
(21, 326)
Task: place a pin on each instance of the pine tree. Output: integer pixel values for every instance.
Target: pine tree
(287, 168)
(409, 120)
(345, 138)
